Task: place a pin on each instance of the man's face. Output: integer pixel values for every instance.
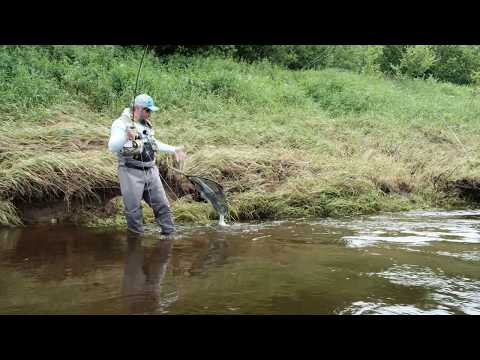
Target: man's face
(142, 113)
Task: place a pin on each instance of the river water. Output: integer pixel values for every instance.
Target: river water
(407, 263)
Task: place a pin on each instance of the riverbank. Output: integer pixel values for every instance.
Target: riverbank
(282, 143)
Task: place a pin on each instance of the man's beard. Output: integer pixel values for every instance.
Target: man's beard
(143, 120)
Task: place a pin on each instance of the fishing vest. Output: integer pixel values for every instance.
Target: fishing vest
(140, 159)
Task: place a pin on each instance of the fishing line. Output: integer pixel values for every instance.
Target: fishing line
(136, 83)
(165, 181)
(147, 138)
(133, 123)
(456, 138)
(314, 61)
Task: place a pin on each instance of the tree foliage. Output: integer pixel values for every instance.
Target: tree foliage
(451, 63)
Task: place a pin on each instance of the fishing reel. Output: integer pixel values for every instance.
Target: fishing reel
(136, 148)
(141, 148)
(133, 147)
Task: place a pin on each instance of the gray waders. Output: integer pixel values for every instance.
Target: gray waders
(137, 184)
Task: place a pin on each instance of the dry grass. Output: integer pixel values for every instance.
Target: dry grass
(306, 143)
(359, 175)
(78, 174)
(58, 158)
(244, 168)
(8, 214)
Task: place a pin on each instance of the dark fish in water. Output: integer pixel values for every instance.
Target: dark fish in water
(213, 193)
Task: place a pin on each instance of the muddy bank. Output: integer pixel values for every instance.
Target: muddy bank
(106, 208)
(468, 189)
(81, 187)
(103, 204)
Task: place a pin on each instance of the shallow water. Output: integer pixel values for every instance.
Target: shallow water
(410, 263)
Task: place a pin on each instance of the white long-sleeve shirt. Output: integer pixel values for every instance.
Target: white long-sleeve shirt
(118, 134)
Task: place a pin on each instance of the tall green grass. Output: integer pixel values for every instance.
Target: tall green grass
(35, 77)
(284, 143)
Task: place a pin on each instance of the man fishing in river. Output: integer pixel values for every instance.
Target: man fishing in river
(135, 145)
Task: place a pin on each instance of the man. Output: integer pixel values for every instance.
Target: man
(135, 146)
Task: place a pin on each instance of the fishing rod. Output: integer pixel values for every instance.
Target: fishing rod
(209, 189)
(136, 85)
(137, 146)
(189, 177)
(132, 126)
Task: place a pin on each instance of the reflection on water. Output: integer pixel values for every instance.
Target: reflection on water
(142, 279)
(411, 263)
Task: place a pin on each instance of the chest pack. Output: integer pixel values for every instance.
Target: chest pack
(144, 146)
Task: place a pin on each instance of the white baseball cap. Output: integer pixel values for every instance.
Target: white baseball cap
(145, 101)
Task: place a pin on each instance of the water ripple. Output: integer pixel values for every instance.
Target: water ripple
(460, 294)
(413, 228)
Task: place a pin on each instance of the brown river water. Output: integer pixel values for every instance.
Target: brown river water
(407, 263)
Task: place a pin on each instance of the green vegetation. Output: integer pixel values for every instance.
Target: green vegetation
(284, 143)
(458, 64)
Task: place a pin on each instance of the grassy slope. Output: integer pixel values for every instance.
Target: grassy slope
(283, 143)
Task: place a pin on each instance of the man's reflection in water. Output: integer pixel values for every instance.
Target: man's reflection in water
(143, 274)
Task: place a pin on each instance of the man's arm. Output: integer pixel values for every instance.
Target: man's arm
(166, 148)
(177, 150)
(118, 138)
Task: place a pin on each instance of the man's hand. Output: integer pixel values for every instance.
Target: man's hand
(131, 134)
(179, 153)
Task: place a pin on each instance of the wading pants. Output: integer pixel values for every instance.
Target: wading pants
(137, 184)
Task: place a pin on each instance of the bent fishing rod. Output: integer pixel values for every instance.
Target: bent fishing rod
(132, 126)
(136, 85)
(198, 182)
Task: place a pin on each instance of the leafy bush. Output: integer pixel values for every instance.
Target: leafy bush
(391, 57)
(456, 63)
(417, 61)
(453, 63)
(373, 58)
